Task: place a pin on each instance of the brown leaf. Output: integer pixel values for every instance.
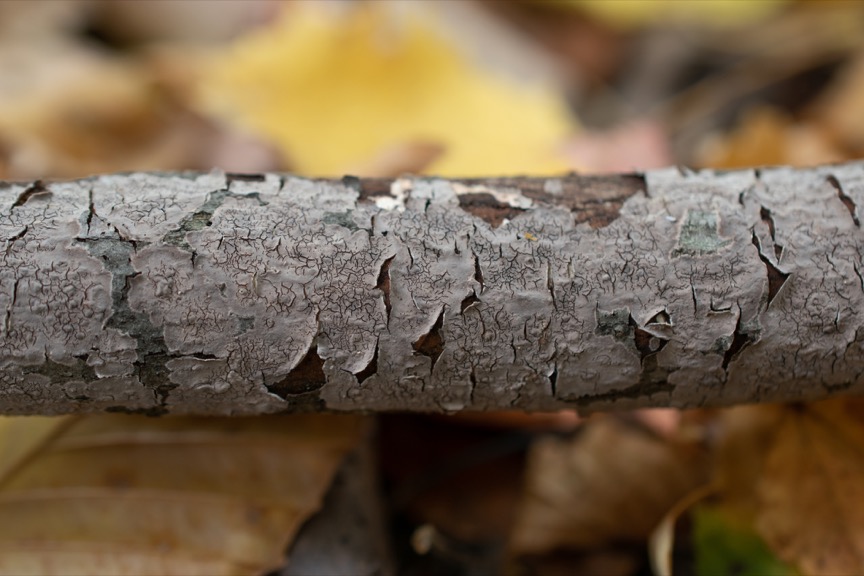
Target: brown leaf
(67, 110)
(132, 495)
(796, 473)
(613, 482)
(811, 490)
(766, 136)
(841, 106)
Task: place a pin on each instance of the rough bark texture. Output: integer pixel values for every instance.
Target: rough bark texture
(229, 294)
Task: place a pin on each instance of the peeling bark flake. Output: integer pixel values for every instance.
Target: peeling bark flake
(370, 369)
(431, 344)
(487, 208)
(383, 284)
(776, 277)
(36, 189)
(307, 376)
(847, 201)
(740, 340)
(768, 219)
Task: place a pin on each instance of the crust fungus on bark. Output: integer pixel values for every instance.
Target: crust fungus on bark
(239, 294)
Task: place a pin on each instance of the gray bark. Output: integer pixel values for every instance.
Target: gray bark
(228, 294)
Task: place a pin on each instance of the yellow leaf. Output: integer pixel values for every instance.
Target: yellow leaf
(631, 13)
(133, 495)
(334, 90)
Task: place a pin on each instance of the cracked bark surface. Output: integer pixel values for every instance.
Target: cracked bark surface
(241, 294)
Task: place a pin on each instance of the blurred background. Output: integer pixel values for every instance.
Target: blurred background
(471, 87)
(474, 88)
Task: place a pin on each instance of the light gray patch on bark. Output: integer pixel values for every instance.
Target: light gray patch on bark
(146, 207)
(56, 299)
(809, 329)
(115, 355)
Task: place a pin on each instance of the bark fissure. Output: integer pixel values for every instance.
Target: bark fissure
(740, 339)
(765, 214)
(478, 272)
(370, 369)
(468, 302)
(431, 344)
(776, 277)
(36, 189)
(846, 200)
(383, 284)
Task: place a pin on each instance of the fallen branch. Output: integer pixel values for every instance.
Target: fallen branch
(219, 294)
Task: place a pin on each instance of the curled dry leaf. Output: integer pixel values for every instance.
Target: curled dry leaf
(133, 495)
(611, 483)
(797, 472)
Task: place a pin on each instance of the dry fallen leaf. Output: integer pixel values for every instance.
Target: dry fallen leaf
(67, 110)
(841, 107)
(120, 494)
(334, 89)
(766, 136)
(612, 482)
(797, 473)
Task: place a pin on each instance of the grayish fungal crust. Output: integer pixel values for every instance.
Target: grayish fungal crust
(229, 294)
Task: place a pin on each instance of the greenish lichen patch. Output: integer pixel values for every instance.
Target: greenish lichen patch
(202, 218)
(62, 372)
(344, 219)
(699, 235)
(615, 323)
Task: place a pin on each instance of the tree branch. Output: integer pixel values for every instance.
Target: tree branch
(219, 293)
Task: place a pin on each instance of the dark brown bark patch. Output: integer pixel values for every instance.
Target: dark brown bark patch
(383, 284)
(596, 200)
(469, 301)
(307, 376)
(776, 277)
(241, 177)
(740, 340)
(487, 208)
(371, 369)
(431, 344)
(368, 188)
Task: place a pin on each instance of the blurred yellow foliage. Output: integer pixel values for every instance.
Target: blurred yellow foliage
(334, 89)
(632, 13)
